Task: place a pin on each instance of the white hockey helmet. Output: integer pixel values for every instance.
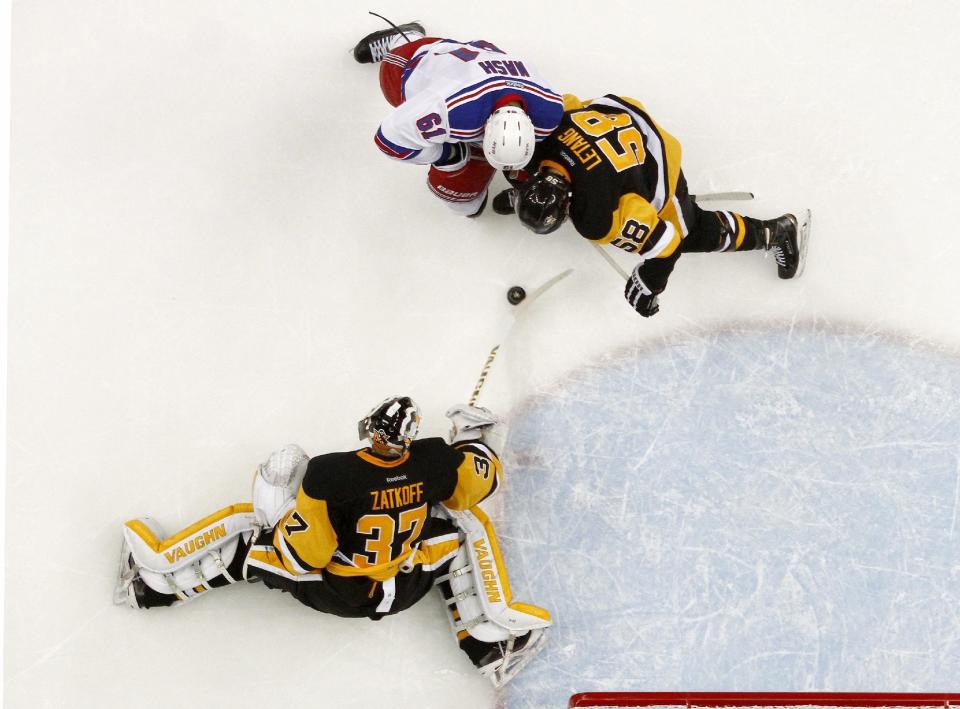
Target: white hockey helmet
(508, 138)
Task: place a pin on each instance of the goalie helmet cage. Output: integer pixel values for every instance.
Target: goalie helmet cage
(762, 700)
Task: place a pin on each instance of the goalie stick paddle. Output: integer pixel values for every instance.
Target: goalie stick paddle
(518, 309)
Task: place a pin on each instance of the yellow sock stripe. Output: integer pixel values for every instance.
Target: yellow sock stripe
(159, 545)
(741, 229)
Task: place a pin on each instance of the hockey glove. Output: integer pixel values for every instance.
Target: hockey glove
(639, 295)
(454, 157)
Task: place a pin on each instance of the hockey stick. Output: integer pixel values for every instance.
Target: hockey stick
(725, 196)
(520, 306)
(610, 260)
(391, 24)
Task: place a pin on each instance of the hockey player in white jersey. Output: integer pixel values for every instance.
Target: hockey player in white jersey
(466, 109)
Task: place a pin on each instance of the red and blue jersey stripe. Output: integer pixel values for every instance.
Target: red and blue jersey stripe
(392, 149)
(469, 108)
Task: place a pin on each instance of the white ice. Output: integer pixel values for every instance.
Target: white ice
(756, 489)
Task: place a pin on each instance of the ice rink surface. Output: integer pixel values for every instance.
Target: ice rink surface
(755, 490)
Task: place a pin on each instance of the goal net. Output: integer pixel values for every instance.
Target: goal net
(762, 700)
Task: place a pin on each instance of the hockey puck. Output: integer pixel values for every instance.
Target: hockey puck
(516, 294)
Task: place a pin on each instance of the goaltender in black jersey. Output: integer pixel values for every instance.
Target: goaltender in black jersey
(616, 173)
(361, 534)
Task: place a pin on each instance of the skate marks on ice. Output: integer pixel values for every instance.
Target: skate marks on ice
(744, 509)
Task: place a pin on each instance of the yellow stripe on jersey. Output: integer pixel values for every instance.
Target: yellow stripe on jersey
(431, 554)
(158, 545)
(380, 462)
(741, 229)
(669, 214)
(556, 166)
(379, 572)
(477, 476)
(631, 208)
(308, 532)
(634, 220)
(671, 149)
(572, 103)
(268, 559)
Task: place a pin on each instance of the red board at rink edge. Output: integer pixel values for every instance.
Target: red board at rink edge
(743, 699)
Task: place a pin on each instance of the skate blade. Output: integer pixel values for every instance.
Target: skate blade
(513, 666)
(126, 573)
(803, 240)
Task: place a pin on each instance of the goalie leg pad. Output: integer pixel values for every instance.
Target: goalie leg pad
(498, 634)
(165, 571)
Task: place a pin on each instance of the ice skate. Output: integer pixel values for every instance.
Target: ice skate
(124, 593)
(787, 239)
(506, 659)
(372, 48)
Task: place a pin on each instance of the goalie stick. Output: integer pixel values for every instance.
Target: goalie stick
(722, 196)
(610, 260)
(517, 311)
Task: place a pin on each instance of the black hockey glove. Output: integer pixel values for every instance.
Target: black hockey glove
(643, 300)
(453, 158)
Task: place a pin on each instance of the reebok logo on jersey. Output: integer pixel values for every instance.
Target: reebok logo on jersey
(198, 542)
(491, 583)
(397, 478)
(580, 147)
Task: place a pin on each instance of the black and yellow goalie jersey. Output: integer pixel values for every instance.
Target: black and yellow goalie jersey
(623, 169)
(358, 514)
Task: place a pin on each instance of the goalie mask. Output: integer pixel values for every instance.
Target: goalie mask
(392, 424)
(543, 202)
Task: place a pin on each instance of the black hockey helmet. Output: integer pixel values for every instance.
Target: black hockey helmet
(391, 424)
(543, 201)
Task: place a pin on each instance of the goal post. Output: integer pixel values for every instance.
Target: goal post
(763, 700)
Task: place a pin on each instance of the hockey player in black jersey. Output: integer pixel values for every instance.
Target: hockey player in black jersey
(362, 534)
(616, 173)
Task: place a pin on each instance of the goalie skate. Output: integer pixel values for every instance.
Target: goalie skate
(124, 593)
(514, 654)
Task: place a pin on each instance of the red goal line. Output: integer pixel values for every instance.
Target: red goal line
(763, 699)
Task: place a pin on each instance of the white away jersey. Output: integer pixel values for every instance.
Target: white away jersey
(450, 88)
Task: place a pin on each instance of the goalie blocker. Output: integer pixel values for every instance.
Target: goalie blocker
(441, 536)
